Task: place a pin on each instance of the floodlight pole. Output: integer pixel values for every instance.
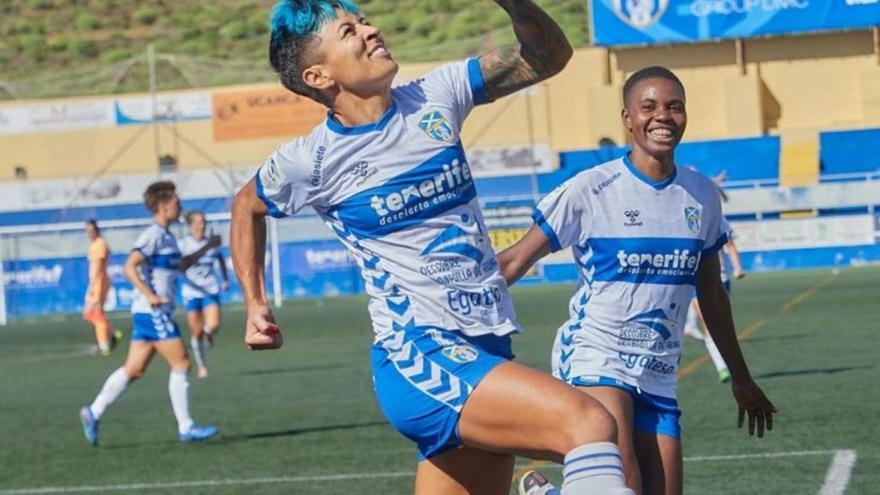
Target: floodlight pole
(740, 56)
(151, 64)
(876, 31)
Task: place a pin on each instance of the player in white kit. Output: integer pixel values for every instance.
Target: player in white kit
(644, 233)
(201, 289)
(152, 268)
(387, 173)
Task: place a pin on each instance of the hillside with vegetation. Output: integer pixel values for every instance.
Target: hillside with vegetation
(78, 47)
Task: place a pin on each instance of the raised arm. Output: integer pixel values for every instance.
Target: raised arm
(517, 259)
(719, 321)
(247, 241)
(542, 52)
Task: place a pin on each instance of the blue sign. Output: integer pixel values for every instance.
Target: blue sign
(636, 22)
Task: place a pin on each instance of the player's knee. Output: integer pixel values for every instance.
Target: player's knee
(134, 373)
(587, 421)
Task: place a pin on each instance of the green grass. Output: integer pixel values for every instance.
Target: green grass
(75, 47)
(308, 409)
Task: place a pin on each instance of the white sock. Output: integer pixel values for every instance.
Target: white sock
(594, 468)
(714, 354)
(178, 389)
(116, 383)
(104, 346)
(198, 348)
(207, 331)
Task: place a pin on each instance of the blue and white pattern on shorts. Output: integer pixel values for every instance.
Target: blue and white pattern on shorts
(637, 244)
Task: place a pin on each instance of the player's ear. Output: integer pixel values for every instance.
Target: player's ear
(318, 77)
(627, 121)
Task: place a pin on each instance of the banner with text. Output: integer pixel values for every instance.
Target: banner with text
(636, 22)
(263, 113)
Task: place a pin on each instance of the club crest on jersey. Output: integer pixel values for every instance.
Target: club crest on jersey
(692, 217)
(461, 353)
(436, 127)
(640, 13)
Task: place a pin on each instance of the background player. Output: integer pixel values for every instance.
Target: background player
(439, 306)
(643, 232)
(96, 293)
(201, 289)
(152, 267)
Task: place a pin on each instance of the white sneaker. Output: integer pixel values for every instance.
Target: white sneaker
(535, 483)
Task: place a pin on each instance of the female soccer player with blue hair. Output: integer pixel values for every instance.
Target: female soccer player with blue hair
(644, 233)
(388, 174)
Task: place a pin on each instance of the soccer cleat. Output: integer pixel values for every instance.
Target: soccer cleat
(89, 425)
(535, 483)
(724, 375)
(198, 433)
(115, 338)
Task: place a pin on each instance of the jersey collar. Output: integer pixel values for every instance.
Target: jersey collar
(379, 125)
(659, 185)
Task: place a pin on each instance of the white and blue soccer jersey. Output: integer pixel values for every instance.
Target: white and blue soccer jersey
(725, 273)
(159, 269)
(637, 244)
(400, 195)
(200, 279)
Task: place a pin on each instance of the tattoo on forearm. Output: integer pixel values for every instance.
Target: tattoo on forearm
(543, 51)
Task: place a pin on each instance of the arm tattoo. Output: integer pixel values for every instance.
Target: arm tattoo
(542, 52)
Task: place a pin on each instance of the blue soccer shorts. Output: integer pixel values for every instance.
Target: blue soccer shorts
(651, 413)
(423, 376)
(199, 303)
(155, 326)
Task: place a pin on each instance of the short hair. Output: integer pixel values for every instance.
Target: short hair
(192, 214)
(653, 72)
(158, 192)
(294, 26)
(94, 224)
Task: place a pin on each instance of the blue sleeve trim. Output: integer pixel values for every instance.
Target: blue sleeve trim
(478, 85)
(540, 221)
(273, 208)
(714, 248)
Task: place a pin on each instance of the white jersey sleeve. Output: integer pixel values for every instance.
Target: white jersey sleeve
(563, 215)
(146, 243)
(285, 183)
(459, 83)
(716, 227)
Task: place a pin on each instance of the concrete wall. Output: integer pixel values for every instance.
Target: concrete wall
(791, 86)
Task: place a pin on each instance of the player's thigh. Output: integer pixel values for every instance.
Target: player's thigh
(523, 411)
(196, 322)
(465, 471)
(661, 463)
(174, 353)
(619, 403)
(139, 355)
(212, 317)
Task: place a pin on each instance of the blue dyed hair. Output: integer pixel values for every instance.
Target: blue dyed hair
(294, 24)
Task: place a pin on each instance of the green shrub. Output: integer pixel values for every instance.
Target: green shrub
(146, 15)
(83, 48)
(87, 21)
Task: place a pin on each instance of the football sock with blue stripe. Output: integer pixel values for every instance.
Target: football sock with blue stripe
(594, 468)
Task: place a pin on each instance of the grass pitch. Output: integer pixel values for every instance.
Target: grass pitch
(303, 419)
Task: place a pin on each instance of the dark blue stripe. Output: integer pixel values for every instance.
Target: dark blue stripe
(592, 456)
(478, 84)
(379, 125)
(714, 248)
(647, 180)
(540, 221)
(273, 208)
(167, 261)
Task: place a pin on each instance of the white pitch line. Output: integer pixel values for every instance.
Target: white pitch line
(837, 477)
(399, 474)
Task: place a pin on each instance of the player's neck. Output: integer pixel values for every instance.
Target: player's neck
(161, 221)
(655, 168)
(352, 110)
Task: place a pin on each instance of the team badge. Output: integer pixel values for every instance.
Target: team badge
(436, 126)
(640, 13)
(461, 353)
(692, 217)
